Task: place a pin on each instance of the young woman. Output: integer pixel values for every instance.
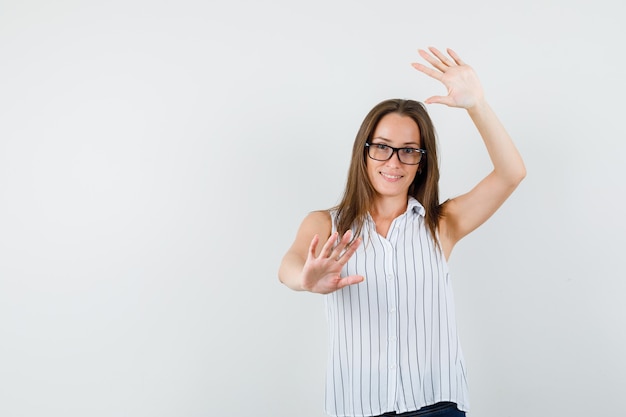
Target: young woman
(393, 347)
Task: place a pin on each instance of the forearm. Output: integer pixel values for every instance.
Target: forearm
(290, 271)
(507, 161)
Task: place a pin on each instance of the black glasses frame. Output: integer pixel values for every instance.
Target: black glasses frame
(394, 150)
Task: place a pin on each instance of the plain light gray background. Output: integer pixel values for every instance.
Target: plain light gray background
(157, 157)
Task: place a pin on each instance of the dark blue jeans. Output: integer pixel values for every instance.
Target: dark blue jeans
(443, 409)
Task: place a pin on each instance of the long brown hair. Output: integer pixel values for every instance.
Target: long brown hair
(359, 192)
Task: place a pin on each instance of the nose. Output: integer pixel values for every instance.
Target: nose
(395, 158)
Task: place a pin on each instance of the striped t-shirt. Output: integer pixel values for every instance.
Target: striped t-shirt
(393, 342)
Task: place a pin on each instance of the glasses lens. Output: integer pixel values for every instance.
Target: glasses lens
(379, 152)
(409, 156)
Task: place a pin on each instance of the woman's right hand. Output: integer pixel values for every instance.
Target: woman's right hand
(321, 273)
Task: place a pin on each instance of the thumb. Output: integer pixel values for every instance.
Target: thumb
(350, 280)
(439, 100)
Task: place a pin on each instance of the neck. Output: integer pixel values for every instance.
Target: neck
(388, 208)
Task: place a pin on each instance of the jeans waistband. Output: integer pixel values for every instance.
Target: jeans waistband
(424, 411)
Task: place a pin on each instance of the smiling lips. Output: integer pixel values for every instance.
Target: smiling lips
(391, 178)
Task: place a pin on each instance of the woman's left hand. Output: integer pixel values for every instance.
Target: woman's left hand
(464, 89)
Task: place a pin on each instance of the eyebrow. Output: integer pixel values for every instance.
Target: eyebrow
(389, 140)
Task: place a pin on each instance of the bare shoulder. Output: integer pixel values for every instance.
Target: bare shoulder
(317, 222)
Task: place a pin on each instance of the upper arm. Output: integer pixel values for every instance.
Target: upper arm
(463, 214)
(315, 223)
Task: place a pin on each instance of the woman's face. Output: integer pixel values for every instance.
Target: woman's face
(392, 178)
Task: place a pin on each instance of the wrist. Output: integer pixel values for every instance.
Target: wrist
(479, 107)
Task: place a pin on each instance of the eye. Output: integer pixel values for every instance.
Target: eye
(408, 151)
(380, 146)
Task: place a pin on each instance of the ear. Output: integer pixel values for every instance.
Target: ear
(421, 166)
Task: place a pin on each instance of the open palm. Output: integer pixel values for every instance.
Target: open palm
(321, 273)
(464, 88)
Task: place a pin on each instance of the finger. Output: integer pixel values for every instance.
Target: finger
(455, 56)
(347, 254)
(428, 71)
(444, 59)
(350, 280)
(327, 249)
(345, 240)
(313, 246)
(432, 60)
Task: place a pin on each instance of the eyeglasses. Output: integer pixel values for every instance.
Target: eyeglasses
(382, 152)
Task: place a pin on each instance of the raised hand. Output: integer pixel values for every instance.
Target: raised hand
(464, 89)
(321, 274)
